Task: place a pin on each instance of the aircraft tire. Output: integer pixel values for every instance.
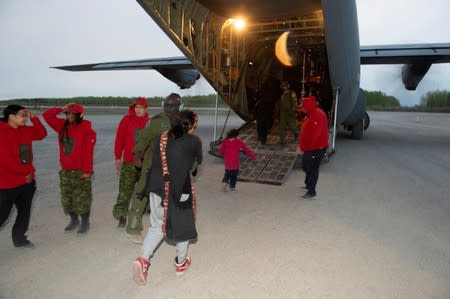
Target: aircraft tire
(366, 121)
(357, 130)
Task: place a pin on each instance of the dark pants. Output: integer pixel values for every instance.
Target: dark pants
(230, 177)
(311, 164)
(262, 131)
(264, 119)
(21, 197)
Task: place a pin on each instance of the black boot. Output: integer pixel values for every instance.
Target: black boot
(122, 221)
(74, 222)
(84, 227)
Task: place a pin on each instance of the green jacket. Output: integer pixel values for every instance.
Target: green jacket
(146, 137)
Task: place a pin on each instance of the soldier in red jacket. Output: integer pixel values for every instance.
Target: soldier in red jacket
(313, 142)
(76, 140)
(136, 118)
(17, 184)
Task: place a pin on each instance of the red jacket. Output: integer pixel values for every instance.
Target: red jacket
(16, 152)
(314, 133)
(125, 135)
(78, 150)
(230, 148)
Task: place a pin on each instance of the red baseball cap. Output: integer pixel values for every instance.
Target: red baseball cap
(74, 108)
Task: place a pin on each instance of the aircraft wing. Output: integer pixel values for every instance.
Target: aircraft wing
(405, 54)
(416, 59)
(177, 69)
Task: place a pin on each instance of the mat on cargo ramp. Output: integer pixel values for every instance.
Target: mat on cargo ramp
(274, 162)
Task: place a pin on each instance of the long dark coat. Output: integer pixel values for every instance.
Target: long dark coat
(181, 155)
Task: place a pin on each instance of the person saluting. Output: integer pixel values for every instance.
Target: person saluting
(76, 140)
(17, 183)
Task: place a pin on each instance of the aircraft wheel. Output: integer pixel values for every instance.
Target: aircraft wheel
(357, 130)
(366, 121)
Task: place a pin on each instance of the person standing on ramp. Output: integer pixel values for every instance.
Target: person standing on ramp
(288, 112)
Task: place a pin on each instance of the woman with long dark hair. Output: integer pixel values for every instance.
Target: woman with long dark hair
(76, 140)
(172, 198)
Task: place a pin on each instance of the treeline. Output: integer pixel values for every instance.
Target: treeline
(380, 99)
(375, 100)
(201, 100)
(434, 99)
(431, 101)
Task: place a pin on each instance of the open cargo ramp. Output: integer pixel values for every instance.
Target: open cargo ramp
(274, 162)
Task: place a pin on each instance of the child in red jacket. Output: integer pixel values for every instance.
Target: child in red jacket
(76, 154)
(230, 149)
(17, 184)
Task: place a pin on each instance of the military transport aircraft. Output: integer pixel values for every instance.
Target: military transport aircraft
(312, 44)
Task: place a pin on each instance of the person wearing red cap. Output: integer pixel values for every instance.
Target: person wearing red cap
(76, 140)
(136, 118)
(313, 142)
(17, 184)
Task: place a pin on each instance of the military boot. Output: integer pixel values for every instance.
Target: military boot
(84, 227)
(74, 222)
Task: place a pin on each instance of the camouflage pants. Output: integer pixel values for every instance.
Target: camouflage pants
(128, 178)
(138, 205)
(76, 193)
(288, 120)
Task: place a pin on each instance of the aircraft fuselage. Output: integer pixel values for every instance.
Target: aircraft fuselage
(323, 45)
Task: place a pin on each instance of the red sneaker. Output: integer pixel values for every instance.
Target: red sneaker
(140, 270)
(181, 268)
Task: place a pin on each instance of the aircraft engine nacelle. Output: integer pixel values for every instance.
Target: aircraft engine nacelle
(412, 74)
(184, 78)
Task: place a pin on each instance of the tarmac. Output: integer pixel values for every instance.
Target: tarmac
(380, 227)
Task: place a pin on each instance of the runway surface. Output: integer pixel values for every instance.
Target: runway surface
(380, 228)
